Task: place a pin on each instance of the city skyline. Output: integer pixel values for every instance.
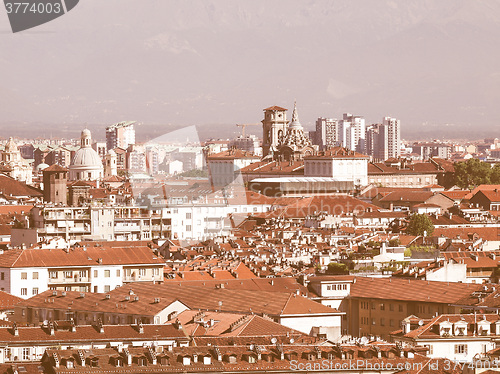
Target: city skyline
(427, 64)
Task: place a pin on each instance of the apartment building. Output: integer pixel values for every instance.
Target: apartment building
(28, 272)
(457, 337)
(74, 224)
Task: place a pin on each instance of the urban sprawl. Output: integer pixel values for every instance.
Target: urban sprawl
(342, 249)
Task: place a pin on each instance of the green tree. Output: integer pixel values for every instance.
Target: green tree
(419, 224)
(474, 172)
(337, 268)
(394, 242)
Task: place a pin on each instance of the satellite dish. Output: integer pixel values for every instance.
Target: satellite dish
(252, 347)
(292, 340)
(364, 340)
(274, 340)
(420, 323)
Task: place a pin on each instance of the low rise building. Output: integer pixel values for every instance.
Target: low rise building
(28, 272)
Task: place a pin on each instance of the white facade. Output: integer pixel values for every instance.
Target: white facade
(342, 169)
(460, 338)
(203, 221)
(30, 281)
(352, 132)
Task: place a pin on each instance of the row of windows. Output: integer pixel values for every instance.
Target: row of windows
(24, 291)
(373, 321)
(372, 305)
(337, 287)
(83, 273)
(24, 275)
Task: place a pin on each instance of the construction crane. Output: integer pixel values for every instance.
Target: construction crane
(243, 125)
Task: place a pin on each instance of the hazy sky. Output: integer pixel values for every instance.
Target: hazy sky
(433, 64)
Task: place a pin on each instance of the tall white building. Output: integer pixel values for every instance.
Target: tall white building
(376, 142)
(383, 141)
(120, 134)
(327, 133)
(352, 132)
(393, 137)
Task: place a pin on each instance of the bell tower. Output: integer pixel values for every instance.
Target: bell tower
(274, 127)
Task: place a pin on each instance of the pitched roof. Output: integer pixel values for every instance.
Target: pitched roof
(411, 290)
(275, 107)
(55, 167)
(32, 257)
(12, 187)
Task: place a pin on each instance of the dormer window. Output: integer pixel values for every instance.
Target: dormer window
(460, 331)
(446, 331)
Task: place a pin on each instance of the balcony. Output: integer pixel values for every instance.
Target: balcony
(69, 280)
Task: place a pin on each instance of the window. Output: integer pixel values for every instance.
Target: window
(95, 274)
(24, 275)
(35, 291)
(117, 272)
(68, 274)
(142, 271)
(188, 215)
(107, 288)
(82, 273)
(373, 305)
(382, 306)
(460, 348)
(400, 307)
(67, 288)
(188, 228)
(107, 273)
(382, 321)
(53, 274)
(24, 291)
(156, 271)
(35, 275)
(373, 321)
(391, 307)
(2, 276)
(26, 354)
(429, 349)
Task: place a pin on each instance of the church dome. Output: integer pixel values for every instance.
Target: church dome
(86, 164)
(86, 157)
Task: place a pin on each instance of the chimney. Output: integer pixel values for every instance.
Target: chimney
(15, 330)
(177, 325)
(52, 328)
(128, 356)
(81, 358)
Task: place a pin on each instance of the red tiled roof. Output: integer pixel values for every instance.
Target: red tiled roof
(7, 301)
(78, 257)
(11, 187)
(486, 233)
(410, 290)
(275, 107)
(55, 167)
(407, 196)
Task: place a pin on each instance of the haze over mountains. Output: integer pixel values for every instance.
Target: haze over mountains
(432, 64)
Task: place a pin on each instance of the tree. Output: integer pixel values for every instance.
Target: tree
(419, 224)
(337, 268)
(474, 172)
(394, 242)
